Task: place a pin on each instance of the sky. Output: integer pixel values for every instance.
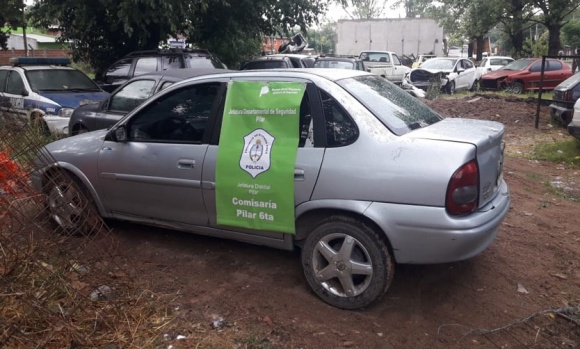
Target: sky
(336, 12)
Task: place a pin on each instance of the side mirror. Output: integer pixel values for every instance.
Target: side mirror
(460, 70)
(118, 134)
(24, 93)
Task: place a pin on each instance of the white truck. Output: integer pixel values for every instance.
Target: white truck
(384, 63)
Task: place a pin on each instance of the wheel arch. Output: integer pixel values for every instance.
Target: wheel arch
(309, 219)
(76, 175)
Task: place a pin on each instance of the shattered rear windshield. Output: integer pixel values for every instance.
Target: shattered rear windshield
(396, 109)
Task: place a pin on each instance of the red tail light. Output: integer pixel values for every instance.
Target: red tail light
(463, 190)
(568, 95)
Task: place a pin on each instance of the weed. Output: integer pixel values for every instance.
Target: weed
(567, 152)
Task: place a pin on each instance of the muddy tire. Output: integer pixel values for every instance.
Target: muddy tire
(347, 263)
(450, 87)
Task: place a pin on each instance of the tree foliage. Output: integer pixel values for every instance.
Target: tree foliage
(12, 14)
(554, 17)
(571, 33)
(363, 9)
(104, 30)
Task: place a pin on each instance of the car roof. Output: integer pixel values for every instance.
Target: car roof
(342, 59)
(170, 51)
(44, 67)
(184, 73)
(329, 74)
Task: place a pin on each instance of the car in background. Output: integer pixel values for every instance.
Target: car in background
(148, 61)
(127, 97)
(489, 64)
(280, 61)
(574, 125)
(420, 59)
(445, 199)
(449, 73)
(339, 63)
(563, 98)
(525, 74)
(44, 92)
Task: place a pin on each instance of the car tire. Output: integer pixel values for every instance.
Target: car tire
(79, 129)
(475, 86)
(69, 205)
(39, 125)
(517, 88)
(450, 87)
(328, 263)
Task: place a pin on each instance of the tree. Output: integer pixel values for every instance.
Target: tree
(363, 9)
(554, 14)
(515, 18)
(103, 31)
(11, 13)
(323, 39)
(414, 8)
(571, 33)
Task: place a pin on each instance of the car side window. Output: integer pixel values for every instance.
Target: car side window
(554, 65)
(132, 95)
(341, 130)
(14, 85)
(3, 76)
(537, 67)
(145, 65)
(467, 64)
(165, 85)
(483, 62)
(119, 70)
(180, 116)
(396, 60)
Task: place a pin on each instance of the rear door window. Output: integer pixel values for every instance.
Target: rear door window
(146, 65)
(119, 70)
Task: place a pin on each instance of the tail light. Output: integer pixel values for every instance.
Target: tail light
(463, 190)
(568, 96)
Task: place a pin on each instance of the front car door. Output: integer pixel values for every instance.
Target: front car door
(308, 159)
(156, 174)
(15, 93)
(399, 69)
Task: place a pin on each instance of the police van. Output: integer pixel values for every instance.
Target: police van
(45, 91)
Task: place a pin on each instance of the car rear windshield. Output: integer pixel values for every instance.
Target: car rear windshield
(203, 62)
(265, 65)
(398, 110)
(59, 80)
(334, 64)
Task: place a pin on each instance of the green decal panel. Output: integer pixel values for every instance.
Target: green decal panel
(257, 155)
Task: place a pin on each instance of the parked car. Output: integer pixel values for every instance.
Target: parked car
(450, 73)
(525, 74)
(379, 178)
(45, 91)
(420, 59)
(280, 60)
(489, 64)
(131, 94)
(386, 64)
(339, 63)
(148, 61)
(574, 125)
(563, 98)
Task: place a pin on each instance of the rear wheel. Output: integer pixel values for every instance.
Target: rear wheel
(347, 263)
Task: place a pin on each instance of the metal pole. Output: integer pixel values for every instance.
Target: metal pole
(537, 121)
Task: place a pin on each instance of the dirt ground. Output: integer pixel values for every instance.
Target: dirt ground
(227, 294)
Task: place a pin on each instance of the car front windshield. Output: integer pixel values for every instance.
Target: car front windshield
(395, 108)
(519, 64)
(60, 80)
(439, 64)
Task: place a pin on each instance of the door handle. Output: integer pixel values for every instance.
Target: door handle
(185, 164)
(298, 174)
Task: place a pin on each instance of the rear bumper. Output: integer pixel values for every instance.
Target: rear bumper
(428, 235)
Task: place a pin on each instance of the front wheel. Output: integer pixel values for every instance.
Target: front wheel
(346, 263)
(450, 88)
(475, 86)
(517, 88)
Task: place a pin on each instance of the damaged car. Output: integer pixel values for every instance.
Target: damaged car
(449, 73)
(525, 75)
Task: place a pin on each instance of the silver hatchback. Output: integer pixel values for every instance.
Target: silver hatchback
(377, 177)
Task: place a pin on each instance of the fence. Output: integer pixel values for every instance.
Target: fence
(6, 55)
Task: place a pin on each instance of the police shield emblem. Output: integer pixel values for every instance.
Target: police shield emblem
(255, 158)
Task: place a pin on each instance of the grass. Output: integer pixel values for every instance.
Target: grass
(29, 30)
(567, 152)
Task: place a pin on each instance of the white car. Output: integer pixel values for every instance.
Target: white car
(574, 125)
(489, 64)
(449, 72)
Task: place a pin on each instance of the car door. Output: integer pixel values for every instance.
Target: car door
(399, 70)
(470, 73)
(122, 102)
(156, 173)
(16, 93)
(308, 159)
(4, 101)
(554, 74)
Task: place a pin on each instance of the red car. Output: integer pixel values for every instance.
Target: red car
(524, 75)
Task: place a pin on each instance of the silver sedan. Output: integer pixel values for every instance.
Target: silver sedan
(378, 177)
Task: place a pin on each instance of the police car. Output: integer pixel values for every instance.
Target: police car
(45, 91)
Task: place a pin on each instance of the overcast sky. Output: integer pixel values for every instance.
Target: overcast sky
(336, 12)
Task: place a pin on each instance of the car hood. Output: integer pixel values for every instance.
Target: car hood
(76, 146)
(75, 99)
(433, 71)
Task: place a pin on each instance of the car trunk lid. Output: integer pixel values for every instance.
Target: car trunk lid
(486, 136)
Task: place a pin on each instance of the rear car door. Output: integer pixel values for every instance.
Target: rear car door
(308, 159)
(156, 174)
(16, 93)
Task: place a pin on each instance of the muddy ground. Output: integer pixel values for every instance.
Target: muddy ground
(225, 294)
